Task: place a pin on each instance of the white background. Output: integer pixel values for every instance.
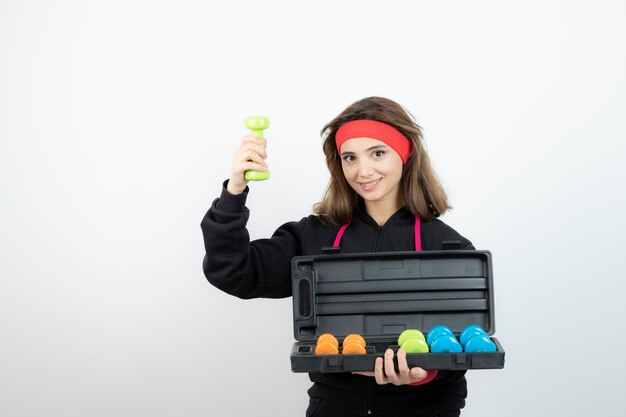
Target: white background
(118, 121)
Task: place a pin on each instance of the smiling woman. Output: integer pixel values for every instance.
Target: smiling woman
(390, 127)
(373, 170)
(382, 196)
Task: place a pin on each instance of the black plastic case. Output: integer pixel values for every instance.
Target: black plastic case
(379, 295)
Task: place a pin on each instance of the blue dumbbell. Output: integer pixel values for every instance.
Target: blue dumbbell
(436, 332)
(470, 331)
(446, 343)
(480, 343)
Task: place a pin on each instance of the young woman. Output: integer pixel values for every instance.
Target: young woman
(383, 196)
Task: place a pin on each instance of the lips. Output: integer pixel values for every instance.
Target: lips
(369, 186)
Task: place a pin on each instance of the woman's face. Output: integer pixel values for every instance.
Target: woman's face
(373, 169)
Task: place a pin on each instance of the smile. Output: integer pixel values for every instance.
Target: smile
(369, 186)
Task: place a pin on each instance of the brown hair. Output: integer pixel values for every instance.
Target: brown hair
(420, 188)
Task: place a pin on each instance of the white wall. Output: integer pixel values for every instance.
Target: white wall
(118, 120)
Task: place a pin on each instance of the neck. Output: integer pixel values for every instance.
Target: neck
(381, 211)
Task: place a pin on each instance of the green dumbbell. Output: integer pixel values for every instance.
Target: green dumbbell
(413, 341)
(410, 334)
(257, 125)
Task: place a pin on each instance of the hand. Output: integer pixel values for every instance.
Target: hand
(250, 155)
(402, 377)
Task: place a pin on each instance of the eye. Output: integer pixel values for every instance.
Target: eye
(349, 158)
(378, 154)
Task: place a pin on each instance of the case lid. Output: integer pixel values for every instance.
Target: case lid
(379, 295)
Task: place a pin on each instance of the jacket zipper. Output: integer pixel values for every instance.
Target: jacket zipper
(368, 397)
(370, 384)
(369, 388)
(379, 231)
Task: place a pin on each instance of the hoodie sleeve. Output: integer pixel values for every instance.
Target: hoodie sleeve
(245, 269)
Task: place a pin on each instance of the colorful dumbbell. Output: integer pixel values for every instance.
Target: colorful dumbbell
(441, 339)
(413, 341)
(327, 344)
(410, 334)
(353, 344)
(475, 339)
(480, 343)
(257, 125)
(445, 343)
(470, 331)
(437, 331)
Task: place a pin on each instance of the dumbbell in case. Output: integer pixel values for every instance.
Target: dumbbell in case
(350, 308)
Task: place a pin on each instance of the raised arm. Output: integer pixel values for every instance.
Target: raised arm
(261, 268)
(232, 263)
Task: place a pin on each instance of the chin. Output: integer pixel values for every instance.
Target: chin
(372, 198)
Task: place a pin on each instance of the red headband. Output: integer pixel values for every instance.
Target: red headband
(375, 130)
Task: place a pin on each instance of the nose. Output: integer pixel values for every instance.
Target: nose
(365, 168)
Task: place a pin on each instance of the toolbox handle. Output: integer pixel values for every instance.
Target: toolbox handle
(303, 298)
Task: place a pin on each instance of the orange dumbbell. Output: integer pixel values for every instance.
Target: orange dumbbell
(327, 344)
(353, 344)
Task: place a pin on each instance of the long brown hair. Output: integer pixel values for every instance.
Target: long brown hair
(420, 188)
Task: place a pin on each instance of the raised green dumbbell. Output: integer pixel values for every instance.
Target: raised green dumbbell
(256, 126)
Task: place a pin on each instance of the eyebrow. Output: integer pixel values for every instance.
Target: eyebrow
(372, 148)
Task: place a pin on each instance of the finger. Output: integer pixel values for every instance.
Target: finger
(378, 372)
(389, 366)
(364, 373)
(240, 166)
(259, 145)
(252, 166)
(252, 138)
(249, 156)
(418, 374)
(249, 148)
(403, 367)
(256, 155)
(255, 140)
